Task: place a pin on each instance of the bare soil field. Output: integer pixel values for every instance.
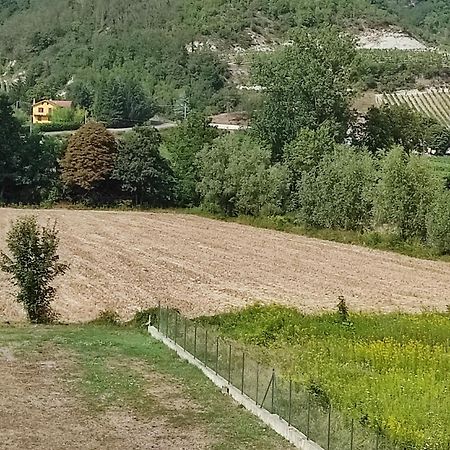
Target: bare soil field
(127, 261)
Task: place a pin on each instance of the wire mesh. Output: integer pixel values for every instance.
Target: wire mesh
(306, 410)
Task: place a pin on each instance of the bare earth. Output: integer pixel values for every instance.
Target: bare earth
(39, 410)
(127, 261)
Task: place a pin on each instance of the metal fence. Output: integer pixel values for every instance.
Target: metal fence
(302, 408)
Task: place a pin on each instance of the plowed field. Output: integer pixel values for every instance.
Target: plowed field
(128, 261)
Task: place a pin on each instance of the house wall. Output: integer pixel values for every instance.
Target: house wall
(42, 112)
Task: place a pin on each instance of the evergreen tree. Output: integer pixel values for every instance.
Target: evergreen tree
(10, 143)
(141, 169)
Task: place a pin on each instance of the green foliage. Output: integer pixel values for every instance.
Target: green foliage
(406, 190)
(303, 154)
(183, 144)
(337, 193)
(33, 265)
(121, 102)
(89, 159)
(306, 85)
(399, 125)
(10, 142)
(61, 126)
(366, 370)
(28, 164)
(391, 70)
(141, 169)
(237, 177)
(68, 116)
(438, 223)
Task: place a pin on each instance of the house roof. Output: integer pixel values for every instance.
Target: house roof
(60, 103)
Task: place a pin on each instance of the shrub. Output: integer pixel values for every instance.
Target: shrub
(405, 192)
(238, 178)
(438, 223)
(33, 266)
(338, 192)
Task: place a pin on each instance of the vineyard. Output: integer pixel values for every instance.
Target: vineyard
(433, 102)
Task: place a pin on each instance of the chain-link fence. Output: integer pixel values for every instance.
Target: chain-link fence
(300, 407)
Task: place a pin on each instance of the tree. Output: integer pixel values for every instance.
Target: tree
(397, 125)
(89, 160)
(303, 154)
(438, 223)
(306, 84)
(237, 177)
(405, 192)
(338, 192)
(121, 102)
(183, 144)
(33, 265)
(10, 144)
(141, 169)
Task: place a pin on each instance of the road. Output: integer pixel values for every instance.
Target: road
(163, 126)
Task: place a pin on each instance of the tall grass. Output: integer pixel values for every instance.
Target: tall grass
(390, 373)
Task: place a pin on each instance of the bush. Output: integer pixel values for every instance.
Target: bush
(33, 266)
(48, 127)
(238, 178)
(405, 192)
(438, 223)
(338, 192)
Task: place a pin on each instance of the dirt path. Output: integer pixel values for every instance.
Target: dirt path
(38, 411)
(127, 261)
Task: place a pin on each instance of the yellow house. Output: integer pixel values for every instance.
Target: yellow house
(42, 111)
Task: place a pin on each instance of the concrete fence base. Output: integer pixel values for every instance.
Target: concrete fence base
(274, 421)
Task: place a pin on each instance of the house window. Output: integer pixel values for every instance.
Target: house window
(41, 110)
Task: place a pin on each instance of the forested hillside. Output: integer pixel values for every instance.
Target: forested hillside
(47, 47)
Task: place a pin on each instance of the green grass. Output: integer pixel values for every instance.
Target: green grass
(113, 364)
(390, 373)
(441, 165)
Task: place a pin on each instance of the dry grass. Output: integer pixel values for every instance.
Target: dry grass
(129, 260)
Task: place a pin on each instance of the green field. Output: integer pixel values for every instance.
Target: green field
(112, 387)
(390, 373)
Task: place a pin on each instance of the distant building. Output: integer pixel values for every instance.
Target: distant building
(42, 111)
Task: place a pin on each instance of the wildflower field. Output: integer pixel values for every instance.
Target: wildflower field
(390, 373)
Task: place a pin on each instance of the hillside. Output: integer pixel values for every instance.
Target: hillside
(48, 48)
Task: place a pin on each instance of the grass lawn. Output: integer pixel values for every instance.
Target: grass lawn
(93, 386)
(390, 373)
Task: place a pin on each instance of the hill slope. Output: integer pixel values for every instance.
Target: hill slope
(47, 44)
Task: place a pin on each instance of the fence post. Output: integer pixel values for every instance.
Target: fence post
(195, 341)
(257, 383)
(167, 321)
(243, 373)
(329, 427)
(351, 434)
(217, 354)
(290, 402)
(308, 417)
(229, 364)
(273, 391)
(185, 333)
(159, 316)
(176, 327)
(206, 346)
